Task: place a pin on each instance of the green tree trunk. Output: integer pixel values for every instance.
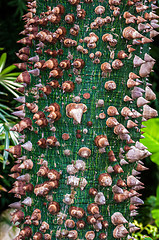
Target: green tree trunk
(97, 106)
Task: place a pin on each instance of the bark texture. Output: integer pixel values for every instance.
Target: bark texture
(86, 104)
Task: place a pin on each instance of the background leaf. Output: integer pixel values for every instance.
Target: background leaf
(151, 139)
(3, 61)
(8, 69)
(148, 238)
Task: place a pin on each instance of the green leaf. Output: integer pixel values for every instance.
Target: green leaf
(2, 188)
(12, 74)
(155, 158)
(155, 213)
(3, 61)
(1, 158)
(7, 77)
(6, 117)
(13, 84)
(147, 238)
(8, 69)
(2, 137)
(6, 114)
(1, 147)
(157, 222)
(10, 90)
(3, 93)
(5, 107)
(14, 137)
(3, 117)
(1, 128)
(151, 140)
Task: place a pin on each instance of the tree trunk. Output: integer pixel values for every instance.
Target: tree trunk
(83, 112)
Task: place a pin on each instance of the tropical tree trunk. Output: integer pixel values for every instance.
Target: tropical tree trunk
(86, 93)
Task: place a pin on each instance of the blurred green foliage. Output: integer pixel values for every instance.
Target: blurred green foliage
(150, 230)
(155, 211)
(151, 140)
(149, 213)
(151, 181)
(7, 81)
(8, 77)
(7, 138)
